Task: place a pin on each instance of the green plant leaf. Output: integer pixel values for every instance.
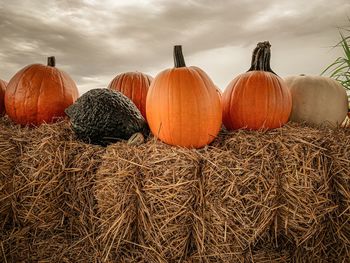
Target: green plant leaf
(340, 68)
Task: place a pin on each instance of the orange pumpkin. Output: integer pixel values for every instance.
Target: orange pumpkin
(183, 106)
(3, 85)
(257, 99)
(39, 93)
(135, 86)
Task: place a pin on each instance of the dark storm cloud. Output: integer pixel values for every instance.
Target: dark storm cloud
(94, 40)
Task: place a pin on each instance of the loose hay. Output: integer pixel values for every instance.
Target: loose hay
(306, 194)
(166, 206)
(40, 177)
(53, 191)
(80, 178)
(24, 245)
(8, 155)
(271, 248)
(340, 169)
(269, 196)
(11, 147)
(327, 247)
(240, 195)
(116, 191)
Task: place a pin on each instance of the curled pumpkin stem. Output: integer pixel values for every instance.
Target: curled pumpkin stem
(261, 57)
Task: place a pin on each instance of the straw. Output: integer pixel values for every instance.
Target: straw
(251, 196)
(12, 141)
(116, 191)
(39, 178)
(240, 194)
(166, 201)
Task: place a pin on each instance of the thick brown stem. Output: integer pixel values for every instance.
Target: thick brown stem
(51, 61)
(179, 60)
(261, 57)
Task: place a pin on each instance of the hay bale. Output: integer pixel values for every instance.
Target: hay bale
(116, 191)
(326, 248)
(54, 202)
(25, 245)
(54, 187)
(240, 195)
(8, 155)
(134, 254)
(40, 176)
(340, 170)
(79, 180)
(306, 193)
(167, 201)
(145, 200)
(280, 196)
(11, 147)
(271, 248)
(269, 254)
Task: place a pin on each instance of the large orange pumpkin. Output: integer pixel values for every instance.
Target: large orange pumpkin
(257, 99)
(183, 106)
(39, 93)
(3, 85)
(135, 86)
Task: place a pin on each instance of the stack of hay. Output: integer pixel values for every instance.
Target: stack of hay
(145, 197)
(339, 221)
(250, 197)
(274, 196)
(240, 196)
(11, 146)
(52, 197)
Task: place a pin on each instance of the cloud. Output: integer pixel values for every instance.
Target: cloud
(95, 40)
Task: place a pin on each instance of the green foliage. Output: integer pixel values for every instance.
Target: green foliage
(340, 68)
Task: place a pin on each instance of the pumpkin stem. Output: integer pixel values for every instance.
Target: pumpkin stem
(179, 60)
(261, 57)
(51, 61)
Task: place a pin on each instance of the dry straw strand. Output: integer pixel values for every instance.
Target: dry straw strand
(39, 178)
(12, 141)
(306, 190)
(166, 204)
(116, 192)
(240, 195)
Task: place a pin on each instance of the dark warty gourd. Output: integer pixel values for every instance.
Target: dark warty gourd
(104, 116)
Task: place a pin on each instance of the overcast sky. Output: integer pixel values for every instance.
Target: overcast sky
(94, 40)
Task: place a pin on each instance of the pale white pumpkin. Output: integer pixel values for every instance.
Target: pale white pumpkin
(317, 100)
